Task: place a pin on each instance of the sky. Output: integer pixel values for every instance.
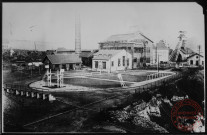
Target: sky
(52, 25)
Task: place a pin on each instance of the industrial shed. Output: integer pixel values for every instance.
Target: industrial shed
(63, 61)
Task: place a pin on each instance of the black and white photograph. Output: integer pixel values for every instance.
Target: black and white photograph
(103, 67)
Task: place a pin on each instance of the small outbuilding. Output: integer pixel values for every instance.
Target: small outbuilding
(63, 61)
(195, 60)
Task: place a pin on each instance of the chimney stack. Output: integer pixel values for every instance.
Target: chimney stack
(77, 35)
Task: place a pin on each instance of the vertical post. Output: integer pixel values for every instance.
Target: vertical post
(199, 47)
(46, 82)
(50, 77)
(158, 64)
(110, 64)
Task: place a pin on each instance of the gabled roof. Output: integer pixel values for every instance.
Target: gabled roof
(176, 52)
(127, 37)
(105, 54)
(161, 45)
(186, 50)
(63, 58)
(194, 55)
(86, 54)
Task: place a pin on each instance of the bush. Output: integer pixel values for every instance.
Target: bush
(193, 85)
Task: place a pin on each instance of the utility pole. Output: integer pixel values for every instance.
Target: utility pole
(156, 54)
(157, 63)
(144, 51)
(199, 48)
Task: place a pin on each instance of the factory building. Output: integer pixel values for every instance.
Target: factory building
(112, 60)
(137, 44)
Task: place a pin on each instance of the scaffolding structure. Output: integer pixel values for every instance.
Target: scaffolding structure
(60, 78)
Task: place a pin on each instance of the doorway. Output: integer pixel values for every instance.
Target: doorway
(197, 63)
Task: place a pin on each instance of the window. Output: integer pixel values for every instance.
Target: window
(96, 64)
(148, 60)
(127, 61)
(112, 63)
(123, 60)
(119, 62)
(141, 59)
(197, 63)
(104, 65)
(197, 57)
(191, 62)
(202, 62)
(135, 59)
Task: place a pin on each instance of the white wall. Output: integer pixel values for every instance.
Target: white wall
(163, 55)
(120, 56)
(194, 58)
(100, 65)
(115, 60)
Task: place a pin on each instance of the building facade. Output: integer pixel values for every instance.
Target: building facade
(112, 60)
(195, 60)
(136, 43)
(161, 52)
(85, 55)
(63, 61)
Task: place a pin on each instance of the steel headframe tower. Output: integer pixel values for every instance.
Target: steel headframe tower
(77, 35)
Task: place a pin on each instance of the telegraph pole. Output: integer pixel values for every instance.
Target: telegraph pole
(158, 64)
(199, 48)
(157, 60)
(144, 51)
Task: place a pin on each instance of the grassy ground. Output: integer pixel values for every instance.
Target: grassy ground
(87, 82)
(126, 77)
(91, 81)
(64, 123)
(21, 110)
(20, 77)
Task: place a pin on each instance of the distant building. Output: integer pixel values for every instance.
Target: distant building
(63, 61)
(195, 60)
(50, 52)
(181, 52)
(161, 51)
(85, 55)
(112, 60)
(136, 43)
